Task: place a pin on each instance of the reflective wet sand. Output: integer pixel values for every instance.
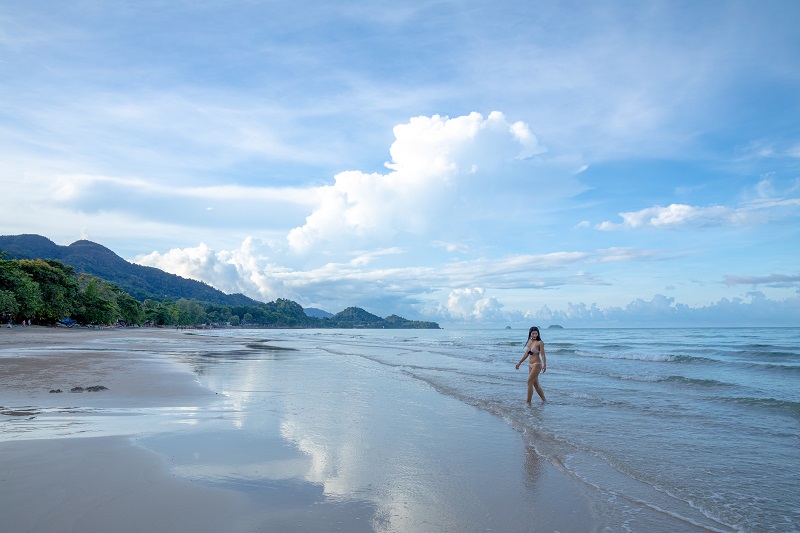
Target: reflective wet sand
(194, 432)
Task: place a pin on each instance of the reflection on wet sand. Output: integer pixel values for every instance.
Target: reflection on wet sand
(316, 434)
(366, 436)
(533, 469)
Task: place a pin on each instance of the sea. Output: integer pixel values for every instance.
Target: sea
(698, 425)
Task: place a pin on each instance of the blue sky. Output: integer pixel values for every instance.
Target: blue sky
(474, 163)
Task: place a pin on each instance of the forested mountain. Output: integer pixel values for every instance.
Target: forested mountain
(86, 281)
(355, 317)
(141, 282)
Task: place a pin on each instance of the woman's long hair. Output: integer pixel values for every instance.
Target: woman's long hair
(530, 333)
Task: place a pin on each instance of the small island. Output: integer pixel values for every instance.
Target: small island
(555, 326)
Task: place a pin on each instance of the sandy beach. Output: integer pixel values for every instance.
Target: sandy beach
(87, 483)
(185, 437)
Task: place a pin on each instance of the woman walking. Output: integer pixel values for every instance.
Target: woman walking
(533, 349)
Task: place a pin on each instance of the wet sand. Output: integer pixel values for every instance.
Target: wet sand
(88, 483)
(103, 484)
(127, 362)
(101, 473)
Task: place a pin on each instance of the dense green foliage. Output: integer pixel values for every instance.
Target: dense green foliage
(101, 302)
(44, 291)
(49, 291)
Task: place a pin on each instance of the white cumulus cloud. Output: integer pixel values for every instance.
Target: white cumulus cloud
(434, 159)
(472, 303)
(246, 270)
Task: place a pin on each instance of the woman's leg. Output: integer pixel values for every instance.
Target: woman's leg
(533, 382)
(530, 389)
(538, 388)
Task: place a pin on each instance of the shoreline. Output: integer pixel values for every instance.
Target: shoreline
(96, 476)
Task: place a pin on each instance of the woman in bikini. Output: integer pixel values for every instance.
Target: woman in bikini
(533, 348)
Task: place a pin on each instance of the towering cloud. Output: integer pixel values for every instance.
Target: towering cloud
(433, 161)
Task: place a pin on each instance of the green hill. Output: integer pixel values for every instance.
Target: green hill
(141, 282)
(355, 317)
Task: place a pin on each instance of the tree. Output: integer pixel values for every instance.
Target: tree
(159, 313)
(96, 307)
(8, 304)
(212, 317)
(130, 311)
(58, 288)
(27, 294)
(189, 312)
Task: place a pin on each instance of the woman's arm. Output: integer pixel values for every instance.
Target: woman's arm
(527, 349)
(544, 358)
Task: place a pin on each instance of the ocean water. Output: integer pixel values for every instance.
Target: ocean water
(695, 427)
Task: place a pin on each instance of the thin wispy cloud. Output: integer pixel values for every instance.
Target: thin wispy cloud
(759, 211)
(775, 280)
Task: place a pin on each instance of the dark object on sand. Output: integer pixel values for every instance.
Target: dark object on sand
(12, 412)
(93, 388)
(56, 390)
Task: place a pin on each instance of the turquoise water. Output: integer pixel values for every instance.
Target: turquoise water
(697, 425)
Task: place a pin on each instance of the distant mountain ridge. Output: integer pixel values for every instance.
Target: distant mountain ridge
(139, 281)
(316, 313)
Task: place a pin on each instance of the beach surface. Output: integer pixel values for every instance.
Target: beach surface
(200, 433)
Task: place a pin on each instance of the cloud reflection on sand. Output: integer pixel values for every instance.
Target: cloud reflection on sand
(362, 432)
